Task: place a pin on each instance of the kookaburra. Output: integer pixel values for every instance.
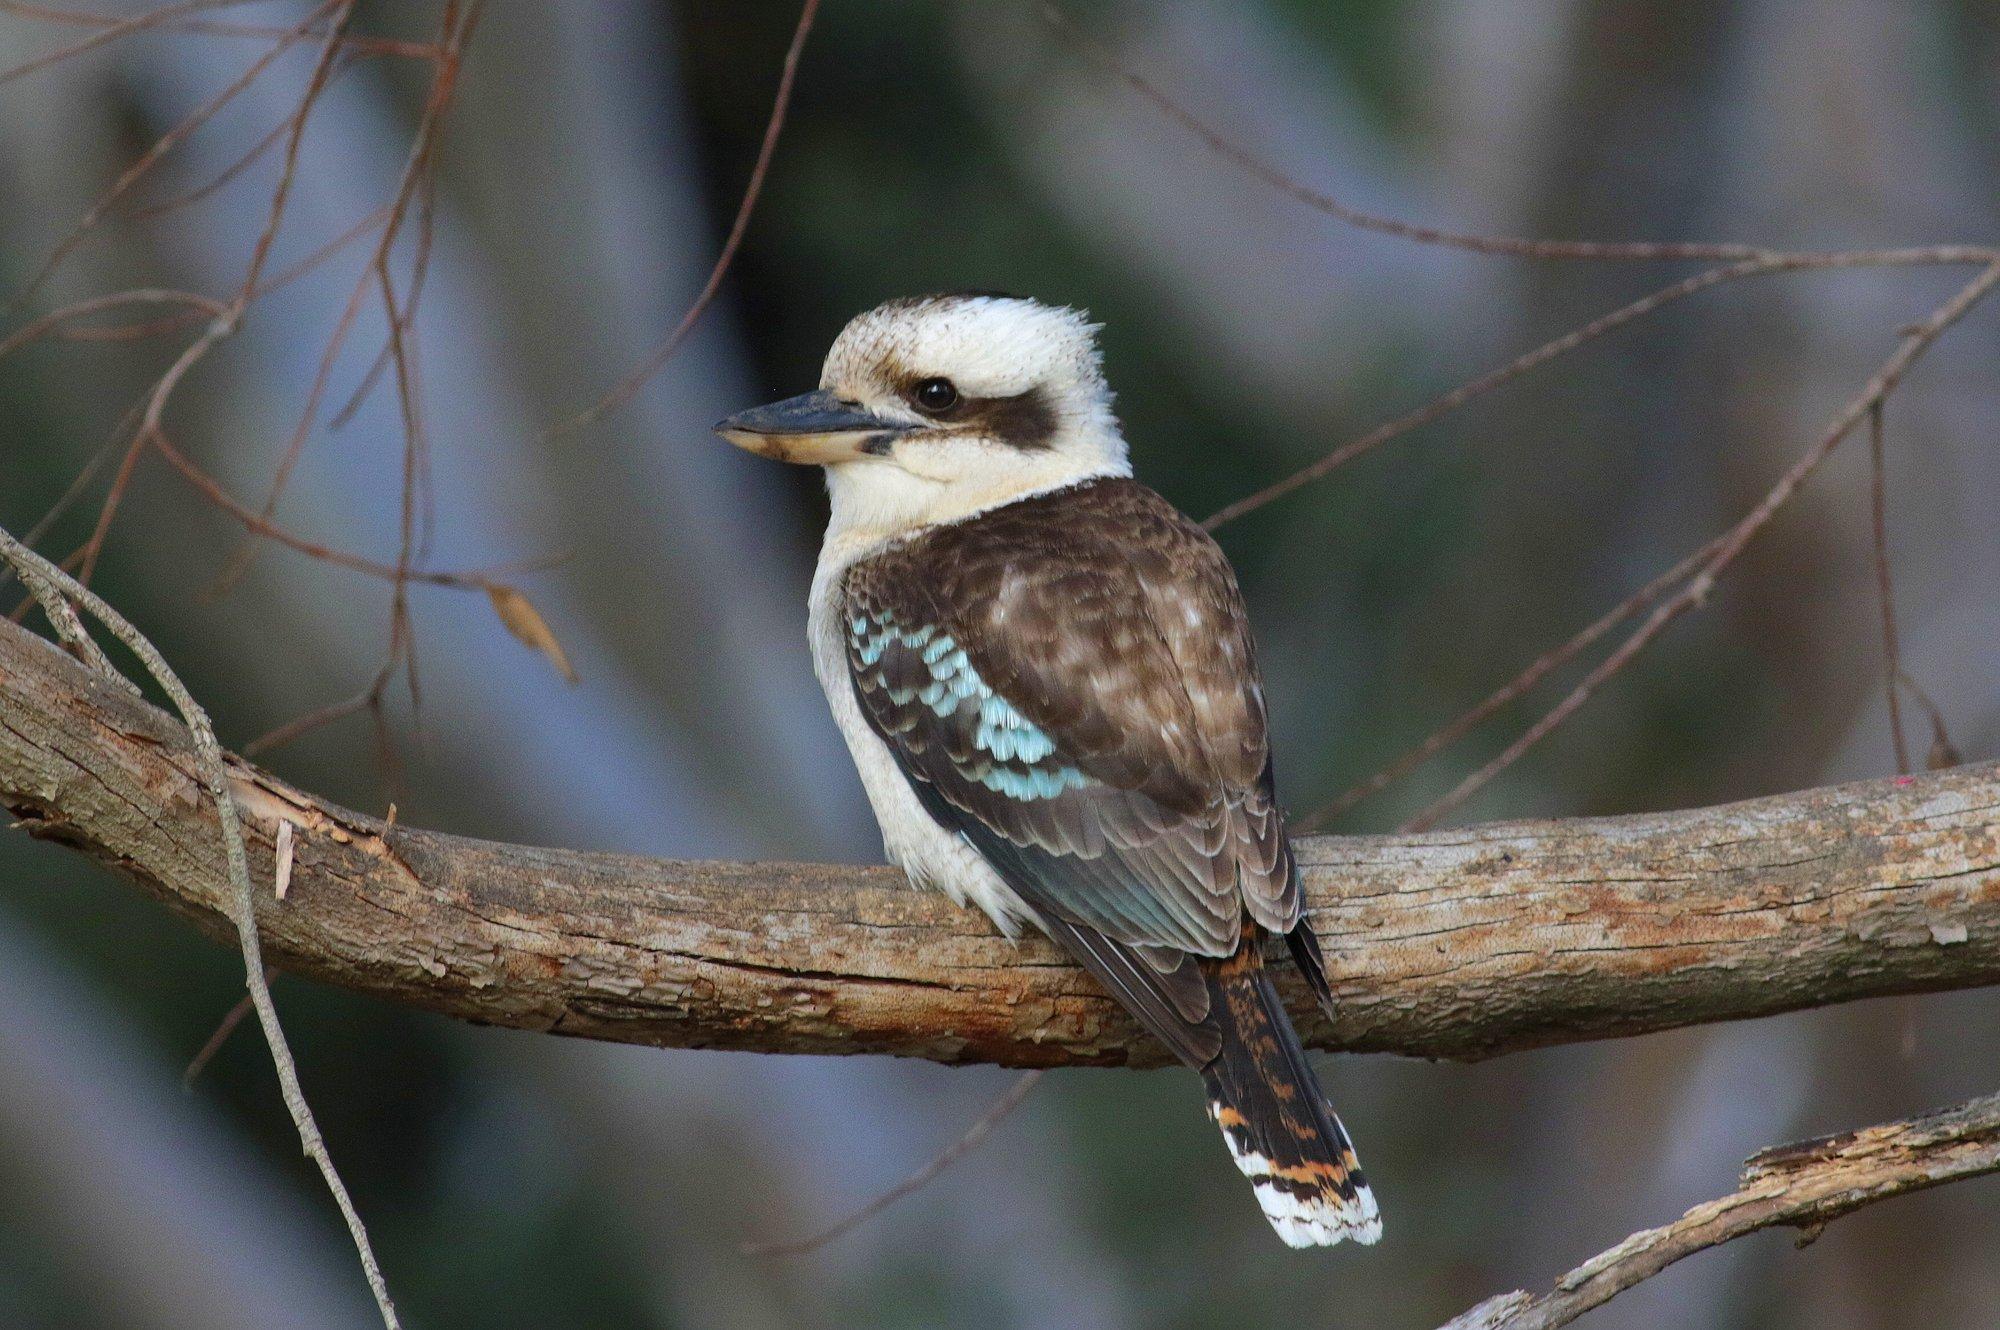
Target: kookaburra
(1046, 678)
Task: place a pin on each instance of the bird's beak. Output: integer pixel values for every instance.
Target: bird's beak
(812, 429)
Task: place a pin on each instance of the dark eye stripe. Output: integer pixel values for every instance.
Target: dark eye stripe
(1025, 420)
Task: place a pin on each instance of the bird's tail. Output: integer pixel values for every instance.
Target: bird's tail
(1278, 1125)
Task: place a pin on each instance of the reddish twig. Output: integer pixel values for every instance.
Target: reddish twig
(1943, 752)
(945, 1158)
(197, 27)
(1438, 407)
(455, 31)
(1892, 666)
(161, 147)
(627, 387)
(51, 323)
(223, 1029)
(111, 29)
(1291, 187)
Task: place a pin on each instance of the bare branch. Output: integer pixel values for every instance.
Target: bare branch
(1459, 944)
(1802, 1186)
(1555, 658)
(163, 145)
(1441, 406)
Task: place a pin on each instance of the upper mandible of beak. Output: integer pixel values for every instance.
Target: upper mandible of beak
(812, 429)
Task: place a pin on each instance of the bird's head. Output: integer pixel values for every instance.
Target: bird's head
(935, 407)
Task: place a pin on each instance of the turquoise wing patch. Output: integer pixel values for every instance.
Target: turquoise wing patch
(921, 666)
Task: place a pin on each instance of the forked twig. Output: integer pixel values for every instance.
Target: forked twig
(1467, 721)
(1738, 261)
(1916, 340)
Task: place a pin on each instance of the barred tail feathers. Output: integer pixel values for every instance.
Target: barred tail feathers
(1275, 1120)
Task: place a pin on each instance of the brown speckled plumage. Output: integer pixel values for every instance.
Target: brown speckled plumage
(1148, 841)
(1115, 625)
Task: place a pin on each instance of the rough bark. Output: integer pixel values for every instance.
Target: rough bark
(1802, 1186)
(1462, 943)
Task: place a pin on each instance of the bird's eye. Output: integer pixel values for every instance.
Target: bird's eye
(936, 395)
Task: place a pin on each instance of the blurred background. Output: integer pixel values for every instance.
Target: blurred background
(589, 173)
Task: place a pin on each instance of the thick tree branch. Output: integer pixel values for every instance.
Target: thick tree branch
(1800, 1186)
(1457, 944)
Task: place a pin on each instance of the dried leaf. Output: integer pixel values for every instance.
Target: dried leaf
(525, 622)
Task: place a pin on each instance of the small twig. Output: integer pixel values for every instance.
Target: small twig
(1915, 340)
(1803, 1186)
(628, 387)
(45, 591)
(110, 30)
(52, 322)
(58, 586)
(1943, 752)
(160, 148)
(1438, 407)
(1739, 260)
(454, 31)
(419, 273)
(162, 21)
(212, 490)
(1451, 732)
(224, 1028)
(1892, 664)
(312, 720)
(1230, 150)
(950, 1155)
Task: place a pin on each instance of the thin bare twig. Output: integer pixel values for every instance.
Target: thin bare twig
(160, 148)
(1892, 664)
(1438, 407)
(1916, 339)
(455, 30)
(220, 1036)
(160, 21)
(54, 588)
(56, 318)
(110, 29)
(1739, 261)
(944, 1159)
(1467, 721)
(1803, 1186)
(629, 386)
(1943, 752)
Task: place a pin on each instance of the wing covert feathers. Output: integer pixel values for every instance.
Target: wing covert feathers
(1073, 678)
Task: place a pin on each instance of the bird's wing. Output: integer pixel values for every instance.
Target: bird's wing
(1068, 682)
